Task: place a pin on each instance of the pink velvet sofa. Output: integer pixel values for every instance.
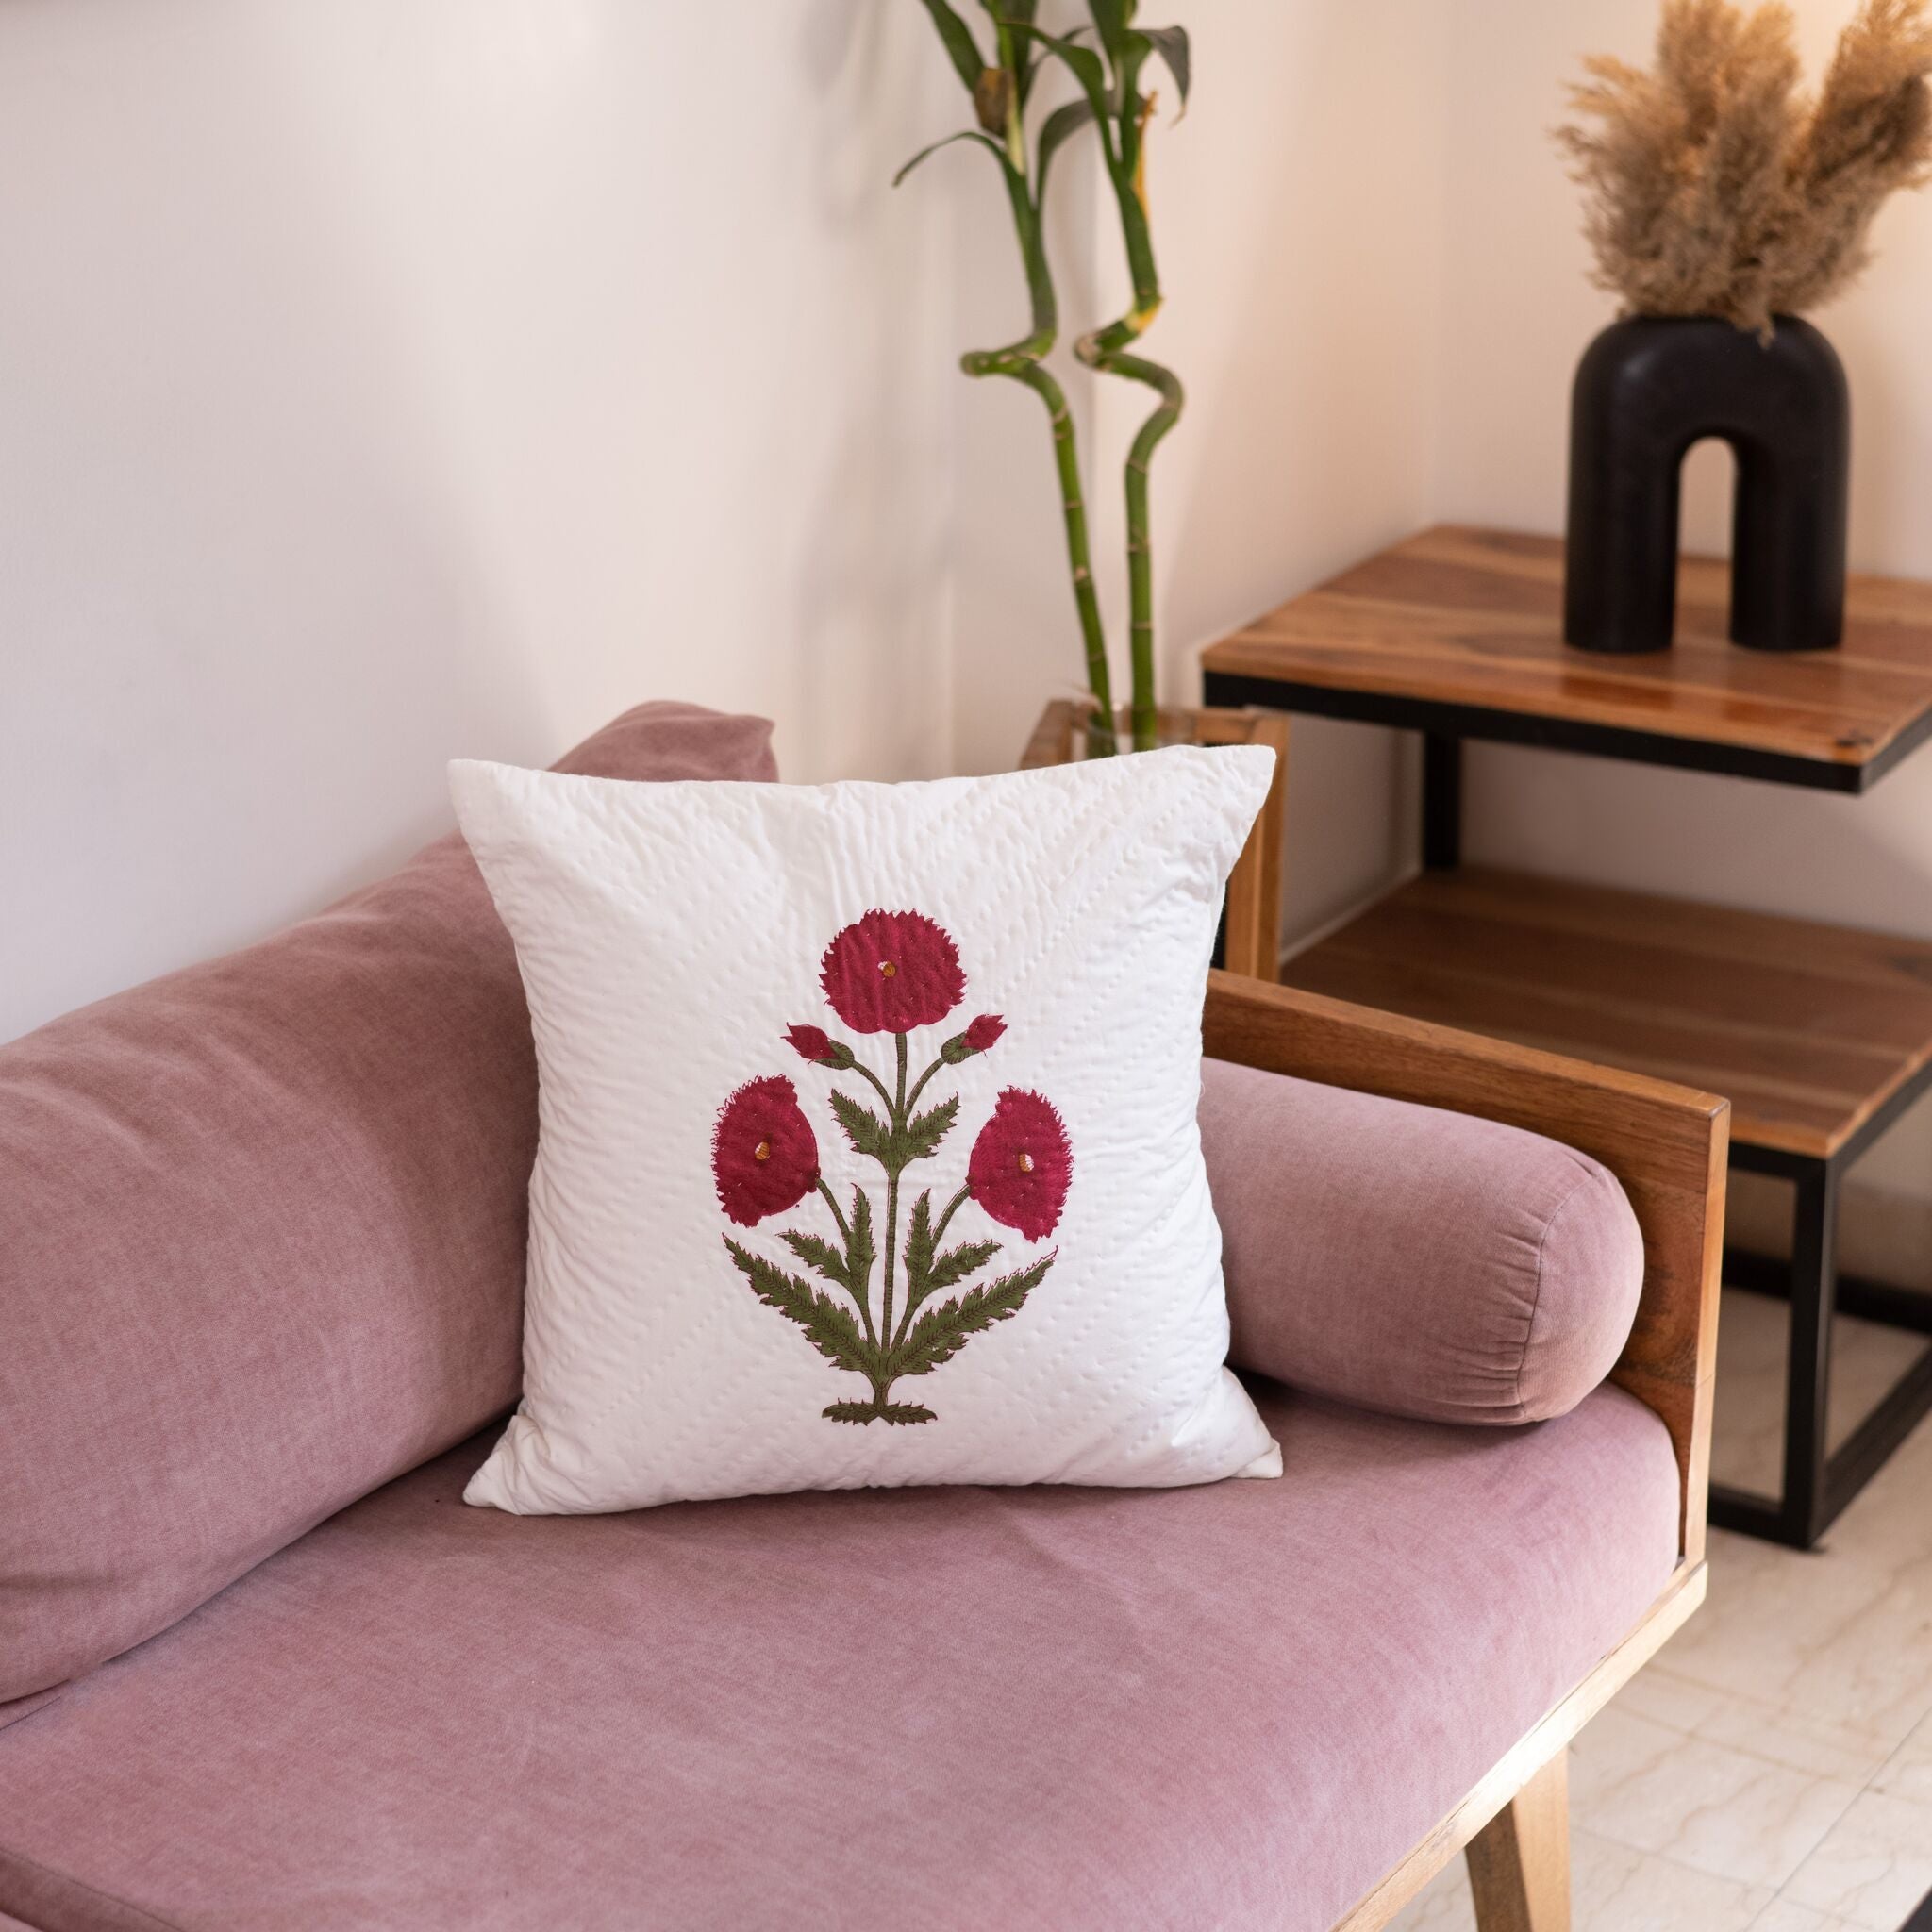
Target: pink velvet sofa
(261, 1254)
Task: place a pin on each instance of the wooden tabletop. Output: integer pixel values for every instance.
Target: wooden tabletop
(1459, 629)
(1806, 1030)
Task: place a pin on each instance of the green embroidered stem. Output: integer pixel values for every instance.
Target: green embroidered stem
(898, 1106)
(859, 1066)
(838, 1213)
(939, 1234)
(919, 1085)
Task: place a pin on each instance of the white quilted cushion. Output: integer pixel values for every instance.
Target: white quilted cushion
(751, 1269)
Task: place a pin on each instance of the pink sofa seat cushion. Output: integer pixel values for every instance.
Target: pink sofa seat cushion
(1235, 1705)
(1407, 1259)
(262, 1236)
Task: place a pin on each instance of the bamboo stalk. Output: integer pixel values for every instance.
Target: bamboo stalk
(1105, 349)
(1021, 362)
(999, 94)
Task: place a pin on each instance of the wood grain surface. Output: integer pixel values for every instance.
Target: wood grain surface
(1806, 1028)
(1465, 616)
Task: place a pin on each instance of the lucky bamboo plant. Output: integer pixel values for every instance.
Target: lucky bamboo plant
(1107, 75)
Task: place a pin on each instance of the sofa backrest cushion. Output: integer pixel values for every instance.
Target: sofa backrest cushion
(261, 1236)
(1410, 1261)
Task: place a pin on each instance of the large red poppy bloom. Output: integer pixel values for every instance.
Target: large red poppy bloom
(764, 1155)
(1021, 1163)
(891, 972)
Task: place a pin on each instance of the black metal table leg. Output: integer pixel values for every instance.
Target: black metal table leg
(1819, 1482)
(1441, 802)
(1798, 1517)
(1808, 1402)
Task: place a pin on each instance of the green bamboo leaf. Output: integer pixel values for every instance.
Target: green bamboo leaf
(868, 1134)
(940, 1333)
(1171, 43)
(1112, 18)
(960, 43)
(998, 153)
(821, 1257)
(1059, 127)
(1021, 60)
(925, 1131)
(1083, 63)
(826, 1326)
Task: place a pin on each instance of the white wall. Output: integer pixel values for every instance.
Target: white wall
(388, 379)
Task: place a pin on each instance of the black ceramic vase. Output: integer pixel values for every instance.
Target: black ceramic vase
(1646, 390)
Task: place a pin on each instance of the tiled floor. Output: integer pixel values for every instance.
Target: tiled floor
(1773, 1768)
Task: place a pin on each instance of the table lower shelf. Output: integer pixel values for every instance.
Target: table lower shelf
(1813, 1032)
(1818, 1035)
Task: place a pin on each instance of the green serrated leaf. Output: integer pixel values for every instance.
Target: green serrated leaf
(868, 1134)
(925, 1131)
(826, 1326)
(819, 1255)
(960, 46)
(1058, 129)
(927, 1273)
(940, 1333)
(999, 154)
(950, 1269)
(918, 1248)
(860, 1255)
(1171, 43)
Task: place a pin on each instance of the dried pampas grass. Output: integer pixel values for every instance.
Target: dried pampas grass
(1717, 188)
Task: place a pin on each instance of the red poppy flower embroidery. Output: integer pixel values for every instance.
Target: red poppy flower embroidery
(764, 1155)
(1022, 1164)
(890, 973)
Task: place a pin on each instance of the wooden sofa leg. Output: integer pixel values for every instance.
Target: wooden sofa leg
(1519, 1863)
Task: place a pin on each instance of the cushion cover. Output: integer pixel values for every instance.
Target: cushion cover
(1422, 1262)
(262, 1236)
(1056, 1709)
(868, 1147)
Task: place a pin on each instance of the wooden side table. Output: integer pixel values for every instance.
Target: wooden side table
(1820, 1036)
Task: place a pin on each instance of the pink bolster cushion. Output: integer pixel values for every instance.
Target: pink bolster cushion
(262, 1236)
(1410, 1261)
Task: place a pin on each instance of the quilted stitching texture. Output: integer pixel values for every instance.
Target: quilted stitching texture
(670, 934)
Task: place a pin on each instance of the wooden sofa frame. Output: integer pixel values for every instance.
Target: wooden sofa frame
(1667, 1145)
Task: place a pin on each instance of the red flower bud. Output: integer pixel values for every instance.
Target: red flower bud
(764, 1155)
(815, 1044)
(984, 1031)
(976, 1039)
(890, 973)
(1021, 1163)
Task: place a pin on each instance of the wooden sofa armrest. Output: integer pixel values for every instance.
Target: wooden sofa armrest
(1665, 1143)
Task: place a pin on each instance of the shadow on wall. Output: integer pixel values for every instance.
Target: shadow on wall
(247, 601)
(884, 439)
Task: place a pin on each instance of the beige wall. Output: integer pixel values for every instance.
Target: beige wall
(1517, 310)
(397, 378)
(386, 379)
(1297, 219)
